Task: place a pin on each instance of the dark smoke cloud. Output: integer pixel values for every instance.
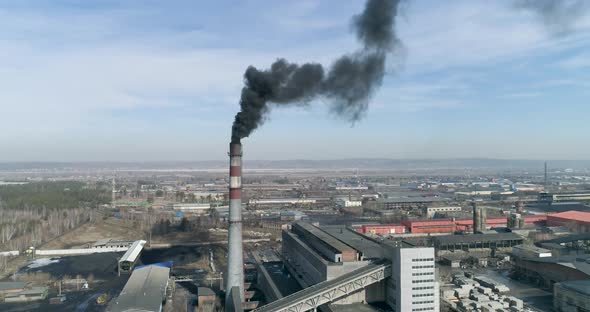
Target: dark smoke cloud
(559, 16)
(348, 83)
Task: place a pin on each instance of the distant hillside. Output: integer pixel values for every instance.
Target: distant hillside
(361, 163)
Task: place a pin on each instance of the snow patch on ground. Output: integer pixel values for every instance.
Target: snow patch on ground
(38, 263)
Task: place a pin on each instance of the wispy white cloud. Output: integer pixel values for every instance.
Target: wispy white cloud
(475, 33)
(579, 61)
(418, 97)
(71, 70)
(520, 95)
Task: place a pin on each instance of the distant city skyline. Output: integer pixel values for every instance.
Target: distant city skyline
(151, 80)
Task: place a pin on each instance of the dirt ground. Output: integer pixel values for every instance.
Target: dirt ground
(91, 232)
(188, 237)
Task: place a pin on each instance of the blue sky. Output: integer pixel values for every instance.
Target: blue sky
(160, 80)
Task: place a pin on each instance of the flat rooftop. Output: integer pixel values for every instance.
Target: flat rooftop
(367, 246)
(144, 290)
(569, 238)
(577, 262)
(413, 199)
(582, 286)
(572, 214)
(324, 237)
(475, 238)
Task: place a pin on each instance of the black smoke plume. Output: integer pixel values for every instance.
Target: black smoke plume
(348, 84)
(558, 16)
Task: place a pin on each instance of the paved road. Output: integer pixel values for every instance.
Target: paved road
(163, 246)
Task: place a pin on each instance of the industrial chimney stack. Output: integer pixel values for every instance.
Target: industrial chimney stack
(546, 178)
(479, 218)
(235, 262)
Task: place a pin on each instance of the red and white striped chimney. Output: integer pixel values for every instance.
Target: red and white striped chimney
(235, 262)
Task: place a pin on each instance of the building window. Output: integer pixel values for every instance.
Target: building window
(423, 267)
(423, 273)
(423, 302)
(422, 281)
(423, 295)
(422, 259)
(423, 288)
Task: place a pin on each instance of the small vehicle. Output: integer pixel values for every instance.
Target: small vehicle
(102, 299)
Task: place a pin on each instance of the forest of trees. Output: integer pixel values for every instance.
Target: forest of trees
(34, 213)
(53, 195)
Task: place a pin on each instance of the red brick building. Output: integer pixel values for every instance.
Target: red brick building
(383, 229)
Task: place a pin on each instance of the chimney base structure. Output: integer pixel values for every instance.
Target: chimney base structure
(235, 262)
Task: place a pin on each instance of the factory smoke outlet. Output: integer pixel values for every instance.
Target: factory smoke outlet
(347, 84)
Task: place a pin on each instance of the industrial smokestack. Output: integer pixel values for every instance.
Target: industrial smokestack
(348, 84)
(235, 262)
(546, 178)
(479, 218)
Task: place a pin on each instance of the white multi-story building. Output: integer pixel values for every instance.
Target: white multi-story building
(346, 203)
(413, 285)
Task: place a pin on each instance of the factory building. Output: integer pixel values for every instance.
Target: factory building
(571, 296)
(449, 225)
(431, 211)
(30, 294)
(413, 285)
(111, 243)
(260, 203)
(430, 226)
(195, 208)
(383, 229)
(351, 188)
(535, 219)
(563, 197)
(476, 241)
(519, 221)
(291, 215)
(530, 251)
(314, 255)
(20, 292)
(576, 221)
(145, 290)
(490, 223)
(347, 203)
(408, 202)
(129, 259)
(546, 271)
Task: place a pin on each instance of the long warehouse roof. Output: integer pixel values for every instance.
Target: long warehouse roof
(133, 251)
(475, 238)
(324, 237)
(369, 247)
(144, 291)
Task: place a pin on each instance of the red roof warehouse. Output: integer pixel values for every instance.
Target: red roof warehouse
(440, 225)
(577, 221)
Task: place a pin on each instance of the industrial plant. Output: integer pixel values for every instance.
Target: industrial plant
(116, 194)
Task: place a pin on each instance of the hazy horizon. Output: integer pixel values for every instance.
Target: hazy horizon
(343, 164)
